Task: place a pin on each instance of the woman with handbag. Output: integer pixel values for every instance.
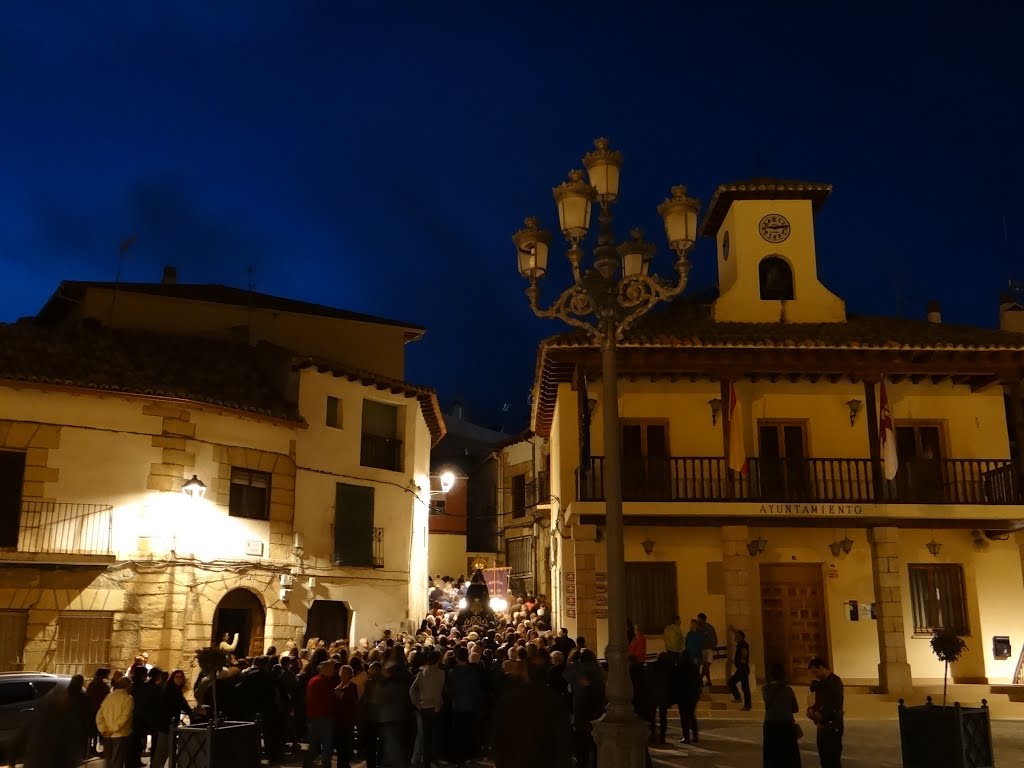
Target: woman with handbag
(781, 731)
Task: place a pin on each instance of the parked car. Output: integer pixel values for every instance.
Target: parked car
(19, 694)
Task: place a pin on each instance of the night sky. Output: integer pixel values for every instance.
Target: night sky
(378, 156)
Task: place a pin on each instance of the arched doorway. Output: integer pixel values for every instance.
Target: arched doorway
(242, 612)
(327, 620)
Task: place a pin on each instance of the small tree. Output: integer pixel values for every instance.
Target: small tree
(948, 646)
(212, 661)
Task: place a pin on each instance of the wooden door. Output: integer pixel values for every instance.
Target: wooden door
(919, 450)
(645, 461)
(793, 618)
(782, 451)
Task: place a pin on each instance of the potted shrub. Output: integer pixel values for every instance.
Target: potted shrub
(216, 743)
(953, 737)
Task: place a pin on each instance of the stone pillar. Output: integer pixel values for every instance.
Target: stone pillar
(736, 562)
(893, 670)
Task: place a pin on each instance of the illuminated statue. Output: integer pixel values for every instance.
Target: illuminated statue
(477, 616)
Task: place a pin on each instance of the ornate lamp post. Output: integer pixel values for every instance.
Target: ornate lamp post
(605, 301)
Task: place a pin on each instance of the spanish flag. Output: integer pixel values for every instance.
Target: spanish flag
(737, 447)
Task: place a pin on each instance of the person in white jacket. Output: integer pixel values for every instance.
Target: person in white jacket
(427, 694)
(114, 722)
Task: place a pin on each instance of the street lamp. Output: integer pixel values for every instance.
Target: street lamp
(605, 301)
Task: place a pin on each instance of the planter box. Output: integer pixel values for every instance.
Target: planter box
(230, 745)
(951, 737)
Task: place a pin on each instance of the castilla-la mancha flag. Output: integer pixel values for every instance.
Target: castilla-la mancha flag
(737, 448)
(887, 436)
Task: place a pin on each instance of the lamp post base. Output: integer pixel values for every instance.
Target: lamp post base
(621, 739)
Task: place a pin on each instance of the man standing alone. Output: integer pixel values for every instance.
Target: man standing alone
(673, 638)
(827, 713)
(710, 643)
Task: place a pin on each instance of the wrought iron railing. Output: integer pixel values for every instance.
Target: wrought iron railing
(63, 528)
(381, 452)
(846, 481)
(370, 554)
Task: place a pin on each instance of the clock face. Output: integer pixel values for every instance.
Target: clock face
(725, 247)
(774, 228)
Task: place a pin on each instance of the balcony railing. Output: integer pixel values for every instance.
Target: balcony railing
(364, 554)
(381, 452)
(60, 528)
(853, 481)
(538, 490)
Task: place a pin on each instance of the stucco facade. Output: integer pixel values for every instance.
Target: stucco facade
(811, 549)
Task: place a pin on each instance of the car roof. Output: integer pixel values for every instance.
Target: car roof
(16, 676)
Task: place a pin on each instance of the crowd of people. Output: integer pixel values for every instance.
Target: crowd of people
(441, 694)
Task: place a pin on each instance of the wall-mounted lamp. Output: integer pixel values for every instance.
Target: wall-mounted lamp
(591, 406)
(447, 481)
(854, 406)
(933, 546)
(195, 488)
(843, 546)
(756, 546)
(715, 404)
(648, 546)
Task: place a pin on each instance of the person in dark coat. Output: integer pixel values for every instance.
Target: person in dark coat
(659, 680)
(97, 690)
(532, 724)
(147, 706)
(257, 697)
(82, 708)
(781, 738)
(140, 726)
(588, 701)
(53, 736)
(171, 706)
(687, 691)
(347, 714)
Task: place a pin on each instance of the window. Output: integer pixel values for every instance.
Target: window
(651, 595)
(83, 642)
(381, 447)
(12, 640)
(519, 554)
(16, 693)
(938, 598)
(646, 466)
(12, 474)
(356, 541)
(438, 507)
(776, 279)
(519, 496)
(333, 418)
(250, 494)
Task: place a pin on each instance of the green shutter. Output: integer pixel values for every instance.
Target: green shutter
(12, 474)
(353, 525)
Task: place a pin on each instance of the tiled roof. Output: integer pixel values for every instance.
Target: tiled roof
(71, 291)
(689, 324)
(426, 397)
(224, 374)
(760, 189)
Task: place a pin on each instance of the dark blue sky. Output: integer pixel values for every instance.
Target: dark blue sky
(378, 156)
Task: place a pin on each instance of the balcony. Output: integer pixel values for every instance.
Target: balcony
(848, 481)
(381, 452)
(362, 553)
(61, 528)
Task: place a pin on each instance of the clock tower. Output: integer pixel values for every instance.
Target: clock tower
(767, 268)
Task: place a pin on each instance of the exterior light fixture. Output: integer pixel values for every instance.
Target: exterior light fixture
(715, 404)
(532, 244)
(836, 548)
(854, 406)
(603, 165)
(846, 544)
(591, 406)
(195, 488)
(574, 198)
(648, 546)
(679, 213)
(636, 254)
(933, 546)
(447, 481)
(756, 546)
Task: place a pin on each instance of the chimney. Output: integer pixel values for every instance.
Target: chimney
(1011, 314)
(170, 276)
(934, 312)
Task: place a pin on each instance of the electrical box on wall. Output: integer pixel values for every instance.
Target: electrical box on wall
(1001, 647)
